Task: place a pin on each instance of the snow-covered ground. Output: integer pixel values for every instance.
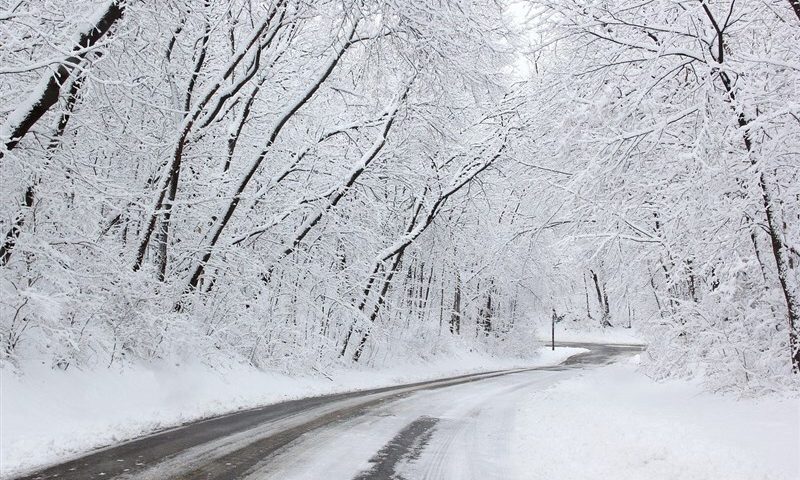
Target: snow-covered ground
(584, 422)
(607, 422)
(47, 416)
(613, 422)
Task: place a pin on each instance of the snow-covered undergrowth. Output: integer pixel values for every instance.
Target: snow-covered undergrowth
(614, 422)
(740, 357)
(49, 415)
(723, 356)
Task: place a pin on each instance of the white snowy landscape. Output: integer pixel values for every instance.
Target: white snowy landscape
(400, 239)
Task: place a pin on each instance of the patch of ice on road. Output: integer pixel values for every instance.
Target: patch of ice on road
(613, 422)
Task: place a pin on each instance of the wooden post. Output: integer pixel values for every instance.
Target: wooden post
(553, 331)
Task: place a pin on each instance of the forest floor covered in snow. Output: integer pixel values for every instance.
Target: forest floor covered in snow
(614, 422)
(47, 416)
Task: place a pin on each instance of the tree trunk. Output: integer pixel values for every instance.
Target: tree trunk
(245, 181)
(193, 117)
(455, 313)
(379, 303)
(487, 312)
(27, 113)
(373, 277)
(28, 199)
(10, 241)
(606, 308)
(586, 290)
(796, 7)
(162, 236)
(602, 300)
(787, 278)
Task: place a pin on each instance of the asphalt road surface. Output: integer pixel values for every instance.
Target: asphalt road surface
(450, 428)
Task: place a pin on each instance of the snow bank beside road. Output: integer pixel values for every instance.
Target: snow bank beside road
(47, 416)
(613, 422)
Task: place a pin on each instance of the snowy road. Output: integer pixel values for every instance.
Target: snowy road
(454, 428)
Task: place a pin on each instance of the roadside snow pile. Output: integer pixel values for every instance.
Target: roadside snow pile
(614, 422)
(49, 415)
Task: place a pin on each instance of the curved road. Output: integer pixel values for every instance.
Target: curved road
(451, 428)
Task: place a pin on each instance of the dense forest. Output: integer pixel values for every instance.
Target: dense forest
(298, 184)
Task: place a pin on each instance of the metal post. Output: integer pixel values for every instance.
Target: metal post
(553, 331)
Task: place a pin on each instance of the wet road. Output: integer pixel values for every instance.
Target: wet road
(374, 434)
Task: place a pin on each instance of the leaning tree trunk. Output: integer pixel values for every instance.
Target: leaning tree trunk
(162, 235)
(294, 107)
(387, 282)
(211, 104)
(796, 7)
(28, 199)
(365, 296)
(48, 91)
(399, 247)
(39, 102)
(10, 240)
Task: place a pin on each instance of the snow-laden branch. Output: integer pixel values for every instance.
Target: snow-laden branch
(338, 192)
(463, 178)
(170, 183)
(293, 107)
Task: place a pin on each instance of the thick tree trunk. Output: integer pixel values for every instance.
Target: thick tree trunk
(606, 308)
(796, 7)
(786, 275)
(10, 240)
(387, 282)
(42, 98)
